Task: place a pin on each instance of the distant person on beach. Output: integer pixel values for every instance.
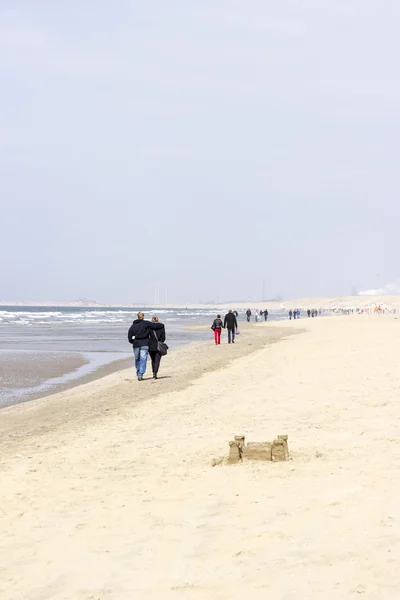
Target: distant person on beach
(290, 314)
(230, 323)
(295, 313)
(155, 337)
(138, 335)
(248, 315)
(217, 327)
(265, 315)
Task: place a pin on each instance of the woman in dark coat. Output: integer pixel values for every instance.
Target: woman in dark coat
(217, 327)
(155, 337)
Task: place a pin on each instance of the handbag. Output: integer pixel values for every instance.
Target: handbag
(162, 347)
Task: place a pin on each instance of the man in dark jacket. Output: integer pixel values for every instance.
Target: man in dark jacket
(138, 335)
(248, 315)
(230, 323)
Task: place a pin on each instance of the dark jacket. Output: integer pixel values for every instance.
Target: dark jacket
(139, 332)
(230, 321)
(152, 339)
(217, 324)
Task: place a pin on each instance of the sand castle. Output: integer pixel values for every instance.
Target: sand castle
(274, 451)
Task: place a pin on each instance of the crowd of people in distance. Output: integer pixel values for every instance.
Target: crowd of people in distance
(378, 309)
(296, 313)
(147, 337)
(258, 315)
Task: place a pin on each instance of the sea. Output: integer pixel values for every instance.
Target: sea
(45, 349)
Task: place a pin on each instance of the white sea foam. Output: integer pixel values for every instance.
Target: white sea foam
(35, 317)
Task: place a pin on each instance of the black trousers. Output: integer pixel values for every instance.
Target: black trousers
(155, 360)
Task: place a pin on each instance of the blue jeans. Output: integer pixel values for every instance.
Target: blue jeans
(231, 335)
(141, 359)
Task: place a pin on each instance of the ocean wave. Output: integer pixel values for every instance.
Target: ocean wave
(85, 317)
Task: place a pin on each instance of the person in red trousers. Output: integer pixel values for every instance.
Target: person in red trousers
(216, 327)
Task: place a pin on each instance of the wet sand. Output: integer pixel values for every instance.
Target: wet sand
(27, 369)
(26, 376)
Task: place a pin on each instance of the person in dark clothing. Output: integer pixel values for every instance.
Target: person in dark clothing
(217, 327)
(290, 314)
(138, 335)
(248, 315)
(309, 313)
(155, 337)
(230, 323)
(265, 315)
(235, 312)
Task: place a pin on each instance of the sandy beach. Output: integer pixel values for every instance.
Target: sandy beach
(108, 490)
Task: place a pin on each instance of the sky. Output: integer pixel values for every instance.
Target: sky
(221, 149)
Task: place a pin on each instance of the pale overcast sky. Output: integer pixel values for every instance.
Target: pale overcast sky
(204, 145)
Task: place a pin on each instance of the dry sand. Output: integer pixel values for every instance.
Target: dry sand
(328, 303)
(124, 504)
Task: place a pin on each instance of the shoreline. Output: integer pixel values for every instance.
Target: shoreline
(89, 400)
(72, 380)
(43, 368)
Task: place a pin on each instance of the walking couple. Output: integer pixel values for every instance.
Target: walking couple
(147, 338)
(230, 323)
